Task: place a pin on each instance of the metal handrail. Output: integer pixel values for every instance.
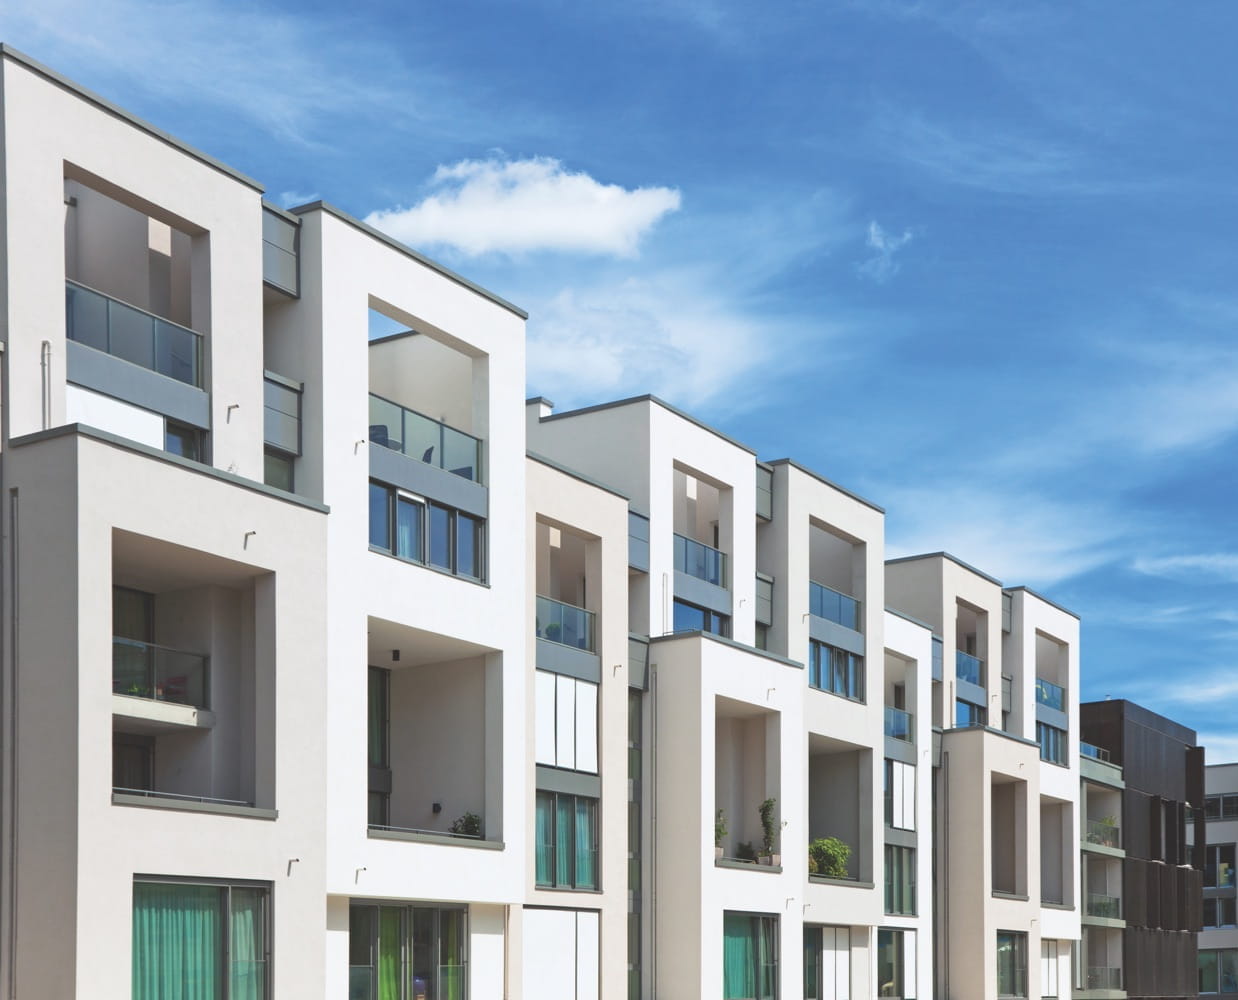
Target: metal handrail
(150, 793)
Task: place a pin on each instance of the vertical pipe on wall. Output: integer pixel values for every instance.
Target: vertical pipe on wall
(45, 364)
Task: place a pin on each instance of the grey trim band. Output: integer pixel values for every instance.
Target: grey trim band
(560, 659)
(189, 805)
(429, 481)
(434, 838)
(900, 750)
(111, 376)
(833, 634)
(901, 838)
(552, 779)
(702, 594)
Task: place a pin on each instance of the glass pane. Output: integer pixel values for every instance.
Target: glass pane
(132, 668)
(180, 677)
(1229, 971)
(460, 454)
(586, 844)
(451, 954)
(440, 537)
(545, 838)
(422, 438)
(86, 317)
(1208, 980)
(277, 471)
(181, 440)
(390, 952)
(739, 979)
(688, 618)
(564, 841)
(248, 939)
(812, 963)
(177, 942)
(176, 352)
(468, 546)
(409, 521)
(377, 714)
(385, 423)
(889, 963)
(380, 518)
(132, 335)
(423, 954)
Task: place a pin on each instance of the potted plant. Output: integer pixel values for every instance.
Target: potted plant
(769, 829)
(468, 825)
(744, 851)
(828, 856)
(720, 832)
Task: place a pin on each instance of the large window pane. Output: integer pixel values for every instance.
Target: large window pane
(890, 963)
(248, 939)
(178, 938)
(1208, 971)
(361, 945)
(1011, 964)
(564, 840)
(749, 956)
(688, 618)
(586, 844)
(812, 963)
(545, 833)
(380, 516)
(468, 546)
(440, 537)
(409, 521)
(451, 954)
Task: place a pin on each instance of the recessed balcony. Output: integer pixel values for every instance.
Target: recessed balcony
(1050, 695)
(565, 624)
(968, 668)
(1101, 905)
(159, 673)
(900, 725)
(424, 439)
(701, 561)
(833, 605)
(131, 334)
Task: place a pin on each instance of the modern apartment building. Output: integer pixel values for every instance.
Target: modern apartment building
(1145, 877)
(1218, 940)
(413, 689)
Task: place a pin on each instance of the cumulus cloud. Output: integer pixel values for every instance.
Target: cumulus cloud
(881, 265)
(515, 206)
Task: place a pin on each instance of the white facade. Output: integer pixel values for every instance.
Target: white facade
(418, 686)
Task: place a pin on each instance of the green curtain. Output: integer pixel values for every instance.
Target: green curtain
(177, 938)
(738, 957)
(390, 948)
(767, 931)
(563, 839)
(248, 933)
(545, 833)
(377, 732)
(586, 855)
(451, 954)
(812, 963)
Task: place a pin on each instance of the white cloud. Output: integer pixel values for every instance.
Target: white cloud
(514, 206)
(1223, 565)
(881, 265)
(292, 199)
(1222, 747)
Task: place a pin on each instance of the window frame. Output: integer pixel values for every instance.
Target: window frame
(224, 958)
(1018, 941)
(1053, 744)
(712, 622)
(900, 894)
(406, 961)
(827, 663)
(764, 943)
(543, 795)
(1213, 862)
(427, 509)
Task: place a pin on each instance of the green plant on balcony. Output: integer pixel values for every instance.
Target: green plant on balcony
(745, 851)
(468, 825)
(720, 830)
(553, 632)
(828, 856)
(769, 830)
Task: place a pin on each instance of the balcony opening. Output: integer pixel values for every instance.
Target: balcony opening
(1101, 961)
(970, 632)
(1102, 812)
(1008, 835)
(132, 281)
(1052, 673)
(702, 529)
(428, 394)
(433, 746)
(1103, 884)
(193, 675)
(840, 808)
(567, 570)
(1057, 847)
(899, 698)
(746, 775)
(836, 577)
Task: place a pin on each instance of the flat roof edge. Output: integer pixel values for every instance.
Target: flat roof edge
(946, 555)
(724, 641)
(1042, 598)
(378, 234)
(648, 398)
(827, 482)
(8, 52)
(908, 618)
(550, 463)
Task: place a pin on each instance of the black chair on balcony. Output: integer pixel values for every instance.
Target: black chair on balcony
(428, 455)
(379, 435)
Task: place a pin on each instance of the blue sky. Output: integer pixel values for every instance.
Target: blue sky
(974, 261)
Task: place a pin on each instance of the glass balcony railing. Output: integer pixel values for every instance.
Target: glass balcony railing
(565, 624)
(1104, 978)
(132, 334)
(1099, 905)
(1050, 695)
(1106, 834)
(1093, 751)
(144, 670)
(833, 605)
(900, 725)
(700, 560)
(967, 667)
(427, 440)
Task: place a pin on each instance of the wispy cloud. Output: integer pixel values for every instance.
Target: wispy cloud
(880, 266)
(284, 72)
(291, 199)
(1216, 565)
(516, 206)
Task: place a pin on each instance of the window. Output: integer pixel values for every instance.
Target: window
(900, 795)
(690, 618)
(566, 720)
(1218, 971)
(1011, 964)
(429, 533)
(896, 963)
(900, 879)
(1219, 866)
(762, 636)
(1049, 972)
(827, 963)
(180, 439)
(277, 470)
(1221, 807)
(1052, 743)
(378, 746)
(193, 939)
(749, 956)
(405, 952)
(967, 714)
(567, 841)
(561, 953)
(1220, 913)
(835, 670)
